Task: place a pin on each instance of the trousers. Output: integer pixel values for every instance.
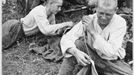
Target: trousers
(104, 67)
(12, 30)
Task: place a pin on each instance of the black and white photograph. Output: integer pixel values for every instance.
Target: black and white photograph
(67, 37)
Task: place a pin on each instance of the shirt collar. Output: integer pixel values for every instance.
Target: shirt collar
(96, 23)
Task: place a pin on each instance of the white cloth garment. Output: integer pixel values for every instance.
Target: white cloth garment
(108, 44)
(37, 20)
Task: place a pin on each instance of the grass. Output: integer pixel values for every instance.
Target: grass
(18, 60)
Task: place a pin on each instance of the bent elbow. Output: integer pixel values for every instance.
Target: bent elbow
(63, 39)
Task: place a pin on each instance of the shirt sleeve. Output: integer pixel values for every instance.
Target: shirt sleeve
(68, 40)
(44, 26)
(111, 47)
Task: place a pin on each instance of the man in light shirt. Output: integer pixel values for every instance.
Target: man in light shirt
(40, 19)
(103, 34)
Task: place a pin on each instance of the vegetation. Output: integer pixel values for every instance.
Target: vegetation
(18, 60)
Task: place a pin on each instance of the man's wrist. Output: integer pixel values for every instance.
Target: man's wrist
(65, 23)
(72, 51)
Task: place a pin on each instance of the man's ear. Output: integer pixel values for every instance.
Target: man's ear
(45, 3)
(95, 9)
(116, 8)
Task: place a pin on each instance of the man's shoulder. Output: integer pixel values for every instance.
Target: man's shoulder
(38, 10)
(37, 7)
(118, 21)
(119, 18)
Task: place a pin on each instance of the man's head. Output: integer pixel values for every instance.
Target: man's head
(105, 11)
(54, 5)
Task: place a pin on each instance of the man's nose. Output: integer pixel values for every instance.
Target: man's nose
(59, 9)
(103, 16)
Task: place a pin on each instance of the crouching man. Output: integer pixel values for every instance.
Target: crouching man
(39, 19)
(103, 34)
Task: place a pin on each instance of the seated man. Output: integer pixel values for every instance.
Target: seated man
(41, 18)
(103, 34)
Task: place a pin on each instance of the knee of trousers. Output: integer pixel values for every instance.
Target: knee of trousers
(80, 45)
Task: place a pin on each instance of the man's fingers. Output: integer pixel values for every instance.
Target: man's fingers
(87, 58)
(82, 58)
(85, 23)
(85, 61)
(80, 62)
(86, 20)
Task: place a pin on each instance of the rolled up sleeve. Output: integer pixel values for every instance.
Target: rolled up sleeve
(44, 26)
(68, 40)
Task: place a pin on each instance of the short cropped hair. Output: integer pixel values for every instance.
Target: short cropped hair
(53, 1)
(107, 3)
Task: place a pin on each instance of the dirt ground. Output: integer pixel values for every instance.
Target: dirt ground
(18, 60)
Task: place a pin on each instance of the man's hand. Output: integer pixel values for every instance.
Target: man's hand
(66, 26)
(88, 22)
(69, 24)
(81, 57)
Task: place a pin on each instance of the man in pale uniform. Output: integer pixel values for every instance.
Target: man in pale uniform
(103, 34)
